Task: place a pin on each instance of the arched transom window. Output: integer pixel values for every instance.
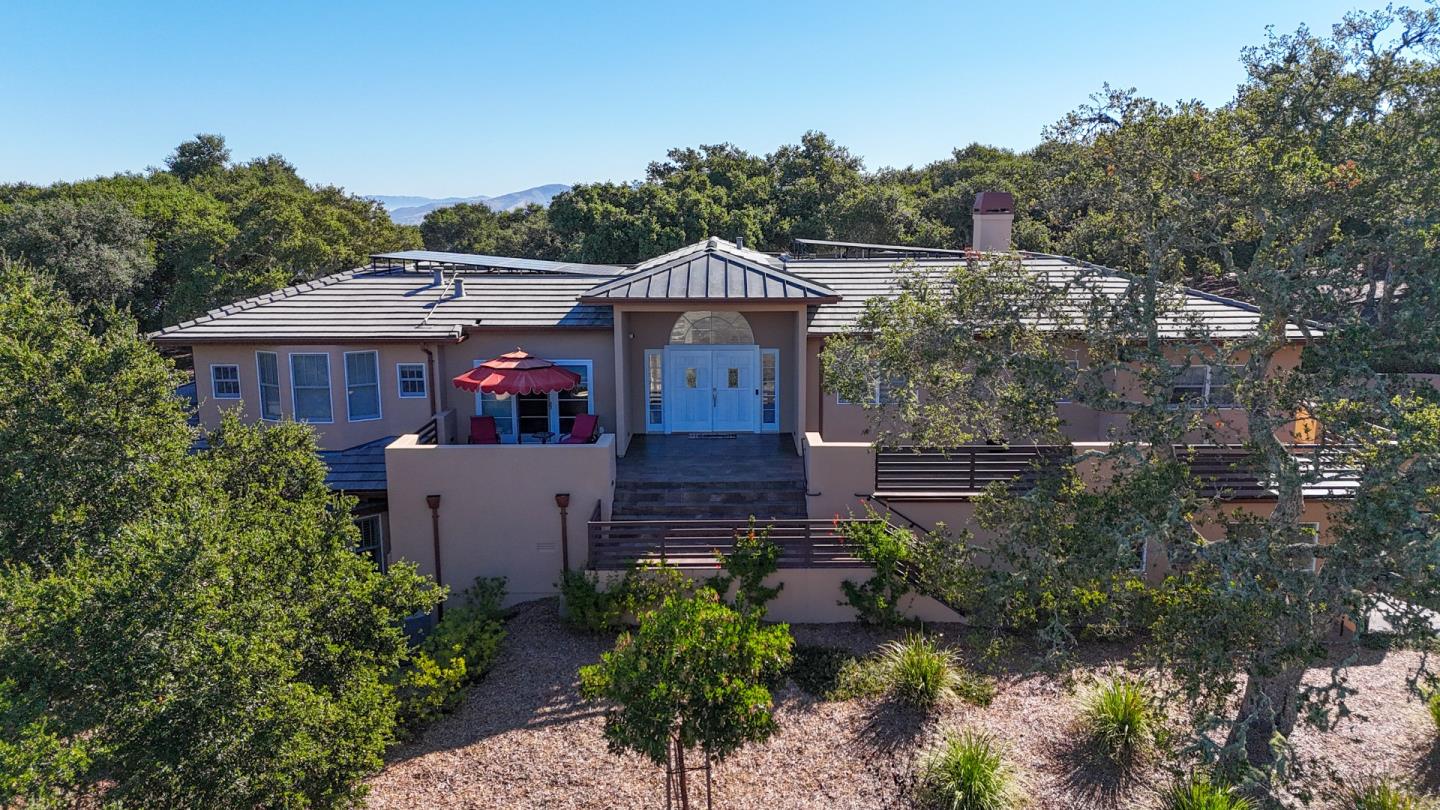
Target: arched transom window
(704, 327)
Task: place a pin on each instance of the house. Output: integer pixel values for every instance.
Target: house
(702, 367)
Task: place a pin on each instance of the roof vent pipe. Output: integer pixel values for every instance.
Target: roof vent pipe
(459, 287)
(740, 242)
(437, 277)
(994, 217)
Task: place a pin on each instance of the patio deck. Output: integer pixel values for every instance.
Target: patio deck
(700, 477)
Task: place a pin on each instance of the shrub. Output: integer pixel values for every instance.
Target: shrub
(457, 651)
(818, 670)
(587, 607)
(968, 771)
(1120, 716)
(1433, 704)
(877, 600)
(920, 673)
(647, 585)
(754, 558)
(1385, 794)
(1199, 793)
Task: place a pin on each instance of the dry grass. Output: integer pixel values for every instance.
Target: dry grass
(523, 739)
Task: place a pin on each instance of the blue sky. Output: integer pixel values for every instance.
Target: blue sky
(446, 98)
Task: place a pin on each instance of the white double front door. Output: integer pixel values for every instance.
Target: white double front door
(712, 388)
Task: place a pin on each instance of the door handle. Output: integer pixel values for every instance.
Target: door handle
(714, 397)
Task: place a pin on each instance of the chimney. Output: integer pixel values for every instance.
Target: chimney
(994, 214)
(459, 287)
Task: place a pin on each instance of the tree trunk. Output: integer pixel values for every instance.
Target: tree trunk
(680, 767)
(1269, 707)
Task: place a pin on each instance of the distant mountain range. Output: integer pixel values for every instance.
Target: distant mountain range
(412, 210)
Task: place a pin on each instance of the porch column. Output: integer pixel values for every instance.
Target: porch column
(802, 371)
(622, 383)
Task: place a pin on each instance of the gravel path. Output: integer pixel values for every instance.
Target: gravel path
(523, 739)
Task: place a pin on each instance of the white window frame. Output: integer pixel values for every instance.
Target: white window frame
(875, 398)
(773, 427)
(650, 420)
(552, 407)
(400, 381)
(260, 386)
(1204, 400)
(214, 391)
(379, 396)
(329, 388)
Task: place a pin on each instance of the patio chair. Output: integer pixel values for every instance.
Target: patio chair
(585, 430)
(482, 430)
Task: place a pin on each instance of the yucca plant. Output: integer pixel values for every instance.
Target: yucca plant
(1385, 794)
(919, 672)
(1200, 793)
(968, 771)
(1121, 717)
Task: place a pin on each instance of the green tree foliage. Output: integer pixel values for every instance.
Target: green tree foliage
(477, 228)
(172, 244)
(691, 676)
(175, 629)
(1308, 196)
(97, 250)
(206, 154)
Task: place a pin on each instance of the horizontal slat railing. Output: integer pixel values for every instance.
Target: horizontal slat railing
(1225, 471)
(961, 470)
(617, 544)
(429, 433)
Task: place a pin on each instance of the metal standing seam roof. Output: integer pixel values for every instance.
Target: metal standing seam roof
(715, 270)
(1196, 313)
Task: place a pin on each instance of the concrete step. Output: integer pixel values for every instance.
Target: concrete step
(623, 485)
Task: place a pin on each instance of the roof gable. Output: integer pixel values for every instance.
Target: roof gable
(714, 270)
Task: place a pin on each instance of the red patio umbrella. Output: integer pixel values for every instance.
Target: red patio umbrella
(518, 372)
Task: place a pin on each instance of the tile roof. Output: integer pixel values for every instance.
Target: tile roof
(859, 280)
(714, 270)
(402, 303)
(357, 469)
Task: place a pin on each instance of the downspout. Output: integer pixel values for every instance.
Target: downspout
(430, 362)
(433, 501)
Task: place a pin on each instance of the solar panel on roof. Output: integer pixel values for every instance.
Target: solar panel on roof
(498, 262)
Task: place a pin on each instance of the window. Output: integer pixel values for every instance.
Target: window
(1071, 376)
(707, 328)
(411, 380)
(770, 388)
(268, 369)
(880, 393)
(372, 539)
(1202, 386)
(362, 386)
(504, 412)
(572, 403)
(225, 382)
(654, 388)
(310, 387)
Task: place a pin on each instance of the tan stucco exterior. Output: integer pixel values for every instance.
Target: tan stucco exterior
(497, 509)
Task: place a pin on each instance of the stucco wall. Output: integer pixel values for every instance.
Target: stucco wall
(497, 508)
(397, 415)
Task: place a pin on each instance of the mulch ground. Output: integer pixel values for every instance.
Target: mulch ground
(523, 739)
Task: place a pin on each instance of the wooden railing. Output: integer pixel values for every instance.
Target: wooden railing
(617, 544)
(964, 470)
(429, 433)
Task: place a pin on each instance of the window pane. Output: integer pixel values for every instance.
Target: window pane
(732, 378)
(1188, 385)
(704, 327)
(1222, 386)
(310, 380)
(412, 380)
(372, 541)
(691, 380)
(534, 412)
(362, 377)
(269, 369)
(654, 364)
(575, 401)
(768, 410)
(502, 410)
(225, 382)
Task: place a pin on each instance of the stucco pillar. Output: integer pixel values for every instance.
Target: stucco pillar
(622, 383)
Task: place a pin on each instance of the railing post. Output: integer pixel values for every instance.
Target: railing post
(809, 555)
